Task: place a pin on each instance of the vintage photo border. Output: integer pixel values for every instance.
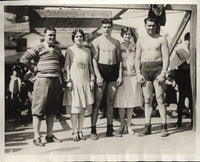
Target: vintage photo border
(195, 156)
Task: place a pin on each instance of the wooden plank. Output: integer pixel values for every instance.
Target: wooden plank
(181, 7)
(193, 43)
(117, 16)
(57, 13)
(179, 31)
(66, 23)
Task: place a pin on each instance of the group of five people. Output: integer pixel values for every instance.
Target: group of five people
(127, 74)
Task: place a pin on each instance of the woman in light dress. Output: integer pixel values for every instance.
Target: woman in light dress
(129, 94)
(79, 77)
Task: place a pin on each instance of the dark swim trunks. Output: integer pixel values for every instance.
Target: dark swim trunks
(150, 70)
(110, 73)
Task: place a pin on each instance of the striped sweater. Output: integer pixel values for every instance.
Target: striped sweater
(48, 62)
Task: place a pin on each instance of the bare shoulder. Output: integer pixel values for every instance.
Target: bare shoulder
(139, 40)
(87, 50)
(162, 39)
(96, 40)
(69, 50)
(115, 41)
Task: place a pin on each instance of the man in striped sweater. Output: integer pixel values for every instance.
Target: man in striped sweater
(46, 61)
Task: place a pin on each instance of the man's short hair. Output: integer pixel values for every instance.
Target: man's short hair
(149, 19)
(49, 28)
(187, 36)
(107, 21)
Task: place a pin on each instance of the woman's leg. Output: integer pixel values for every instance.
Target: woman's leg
(122, 119)
(74, 120)
(129, 117)
(81, 118)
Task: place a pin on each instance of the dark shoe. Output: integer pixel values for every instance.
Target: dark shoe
(164, 132)
(110, 132)
(80, 136)
(52, 139)
(75, 136)
(178, 125)
(38, 142)
(146, 130)
(113, 134)
(94, 136)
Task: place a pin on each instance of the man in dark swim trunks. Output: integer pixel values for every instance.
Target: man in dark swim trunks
(107, 63)
(152, 61)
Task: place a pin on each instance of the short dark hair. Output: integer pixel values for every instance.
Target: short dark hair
(78, 31)
(49, 28)
(125, 30)
(107, 21)
(149, 19)
(187, 36)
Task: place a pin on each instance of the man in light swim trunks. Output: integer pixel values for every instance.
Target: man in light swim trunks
(107, 63)
(152, 61)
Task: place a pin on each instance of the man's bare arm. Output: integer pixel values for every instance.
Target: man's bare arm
(165, 55)
(138, 57)
(95, 58)
(140, 77)
(119, 59)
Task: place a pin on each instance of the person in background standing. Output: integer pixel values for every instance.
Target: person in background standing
(180, 63)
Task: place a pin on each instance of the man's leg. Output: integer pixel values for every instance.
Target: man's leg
(36, 128)
(111, 90)
(159, 91)
(147, 90)
(52, 107)
(50, 123)
(98, 97)
(181, 81)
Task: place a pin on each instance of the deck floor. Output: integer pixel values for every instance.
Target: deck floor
(180, 143)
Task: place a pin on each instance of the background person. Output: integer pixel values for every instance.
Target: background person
(180, 59)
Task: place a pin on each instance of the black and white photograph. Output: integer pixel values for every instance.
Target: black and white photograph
(99, 81)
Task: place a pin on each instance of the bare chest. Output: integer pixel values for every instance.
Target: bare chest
(151, 44)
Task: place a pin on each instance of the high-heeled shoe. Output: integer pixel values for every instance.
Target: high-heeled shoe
(81, 136)
(75, 136)
(130, 131)
(121, 129)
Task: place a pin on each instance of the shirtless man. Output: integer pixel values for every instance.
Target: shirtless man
(152, 61)
(107, 63)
